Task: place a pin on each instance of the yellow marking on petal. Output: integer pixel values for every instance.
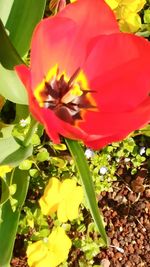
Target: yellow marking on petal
(76, 91)
(38, 92)
(52, 73)
(82, 80)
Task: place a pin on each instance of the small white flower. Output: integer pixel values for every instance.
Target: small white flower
(127, 160)
(89, 153)
(23, 122)
(103, 170)
(142, 150)
(108, 157)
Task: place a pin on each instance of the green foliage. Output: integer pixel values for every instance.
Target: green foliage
(9, 214)
(43, 155)
(147, 16)
(20, 20)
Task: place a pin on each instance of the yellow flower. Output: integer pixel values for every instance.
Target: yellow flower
(4, 169)
(50, 251)
(63, 197)
(112, 3)
(126, 12)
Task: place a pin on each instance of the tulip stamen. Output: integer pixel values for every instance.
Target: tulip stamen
(67, 98)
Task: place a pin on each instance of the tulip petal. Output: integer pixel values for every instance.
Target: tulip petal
(93, 17)
(63, 39)
(120, 79)
(116, 126)
(24, 73)
(50, 47)
(85, 36)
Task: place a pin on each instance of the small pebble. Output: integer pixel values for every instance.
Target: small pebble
(105, 263)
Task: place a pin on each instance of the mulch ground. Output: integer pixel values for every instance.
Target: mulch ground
(127, 214)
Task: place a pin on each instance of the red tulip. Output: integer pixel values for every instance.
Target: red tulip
(87, 81)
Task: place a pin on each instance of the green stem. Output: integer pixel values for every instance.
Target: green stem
(85, 175)
(33, 125)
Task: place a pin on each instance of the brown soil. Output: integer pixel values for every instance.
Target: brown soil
(127, 214)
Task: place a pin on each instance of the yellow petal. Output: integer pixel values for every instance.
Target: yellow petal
(71, 196)
(51, 251)
(60, 244)
(133, 5)
(51, 198)
(131, 24)
(112, 3)
(4, 169)
(67, 186)
(36, 252)
(62, 211)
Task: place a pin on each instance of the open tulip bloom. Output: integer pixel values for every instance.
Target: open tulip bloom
(87, 80)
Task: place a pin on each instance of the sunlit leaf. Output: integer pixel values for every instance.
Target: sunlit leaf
(10, 218)
(5, 8)
(86, 179)
(11, 87)
(5, 192)
(23, 17)
(8, 54)
(13, 153)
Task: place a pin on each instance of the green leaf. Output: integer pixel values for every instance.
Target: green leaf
(5, 192)
(148, 152)
(145, 131)
(5, 8)
(25, 165)
(10, 219)
(6, 130)
(147, 16)
(7, 147)
(18, 156)
(11, 87)
(86, 179)
(42, 155)
(23, 17)
(8, 54)
(12, 153)
(22, 112)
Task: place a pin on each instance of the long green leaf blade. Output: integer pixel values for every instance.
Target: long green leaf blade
(85, 175)
(10, 85)
(8, 54)
(5, 8)
(10, 219)
(22, 20)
